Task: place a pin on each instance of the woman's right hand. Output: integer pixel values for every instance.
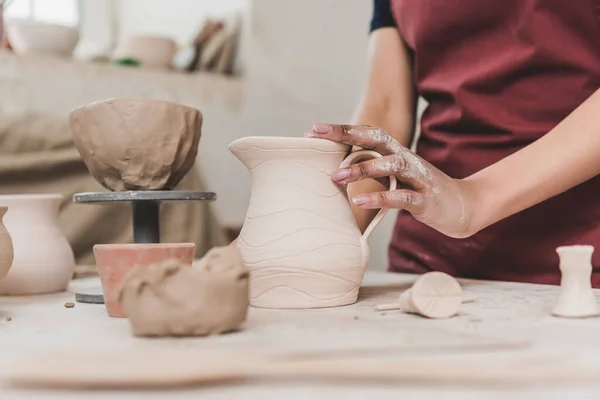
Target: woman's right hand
(432, 197)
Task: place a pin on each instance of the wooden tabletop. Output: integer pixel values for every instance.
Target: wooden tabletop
(506, 321)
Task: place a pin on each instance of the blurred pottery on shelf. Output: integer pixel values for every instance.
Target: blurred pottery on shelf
(31, 37)
(154, 52)
(43, 258)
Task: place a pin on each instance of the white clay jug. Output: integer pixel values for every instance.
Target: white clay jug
(43, 259)
(299, 239)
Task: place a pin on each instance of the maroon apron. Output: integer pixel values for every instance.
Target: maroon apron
(498, 75)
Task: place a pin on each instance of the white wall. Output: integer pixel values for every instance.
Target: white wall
(179, 19)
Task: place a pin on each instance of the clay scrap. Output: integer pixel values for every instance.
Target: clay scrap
(171, 299)
(434, 295)
(576, 298)
(137, 144)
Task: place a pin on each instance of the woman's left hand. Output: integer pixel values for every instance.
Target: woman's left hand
(432, 197)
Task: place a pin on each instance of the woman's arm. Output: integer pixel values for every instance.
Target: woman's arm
(563, 158)
(388, 101)
(566, 156)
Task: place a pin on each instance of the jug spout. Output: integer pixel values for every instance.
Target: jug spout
(243, 149)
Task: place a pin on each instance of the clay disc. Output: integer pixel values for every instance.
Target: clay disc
(437, 295)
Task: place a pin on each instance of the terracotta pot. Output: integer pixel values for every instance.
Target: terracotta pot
(151, 51)
(114, 261)
(43, 258)
(31, 37)
(300, 240)
(6, 247)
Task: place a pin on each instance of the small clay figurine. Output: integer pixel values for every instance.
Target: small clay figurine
(434, 295)
(576, 298)
(175, 300)
(137, 144)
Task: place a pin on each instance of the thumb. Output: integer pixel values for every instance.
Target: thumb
(401, 199)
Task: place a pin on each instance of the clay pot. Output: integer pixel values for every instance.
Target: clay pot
(43, 258)
(137, 144)
(300, 240)
(6, 247)
(150, 51)
(32, 37)
(114, 262)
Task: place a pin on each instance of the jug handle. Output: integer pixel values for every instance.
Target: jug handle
(364, 155)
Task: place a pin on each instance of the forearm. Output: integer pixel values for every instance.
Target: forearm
(565, 157)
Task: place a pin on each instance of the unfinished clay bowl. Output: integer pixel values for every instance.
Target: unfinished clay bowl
(137, 144)
(6, 247)
(33, 37)
(115, 261)
(43, 258)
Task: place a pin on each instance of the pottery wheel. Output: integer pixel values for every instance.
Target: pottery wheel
(145, 206)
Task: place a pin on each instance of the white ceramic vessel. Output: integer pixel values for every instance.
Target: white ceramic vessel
(154, 52)
(576, 298)
(43, 259)
(32, 37)
(299, 239)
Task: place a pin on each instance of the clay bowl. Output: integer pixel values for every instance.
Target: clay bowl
(114, 262)
(31, 37)
(137, 144)
(154, 52)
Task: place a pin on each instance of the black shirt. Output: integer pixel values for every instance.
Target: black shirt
(382, 15)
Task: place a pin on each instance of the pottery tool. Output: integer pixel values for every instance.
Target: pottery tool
(396, 306)
(142, 370)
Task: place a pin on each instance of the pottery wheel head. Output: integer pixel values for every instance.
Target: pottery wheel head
(437, 295)
(137, 144)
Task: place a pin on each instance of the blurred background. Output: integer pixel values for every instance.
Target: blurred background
(253, 67)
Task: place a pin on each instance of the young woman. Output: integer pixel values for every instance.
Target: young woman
(498, 76)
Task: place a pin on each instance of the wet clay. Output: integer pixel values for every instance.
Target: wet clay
(137, 144)
(171, 299)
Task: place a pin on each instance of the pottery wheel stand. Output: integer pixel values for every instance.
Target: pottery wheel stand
(145, 206)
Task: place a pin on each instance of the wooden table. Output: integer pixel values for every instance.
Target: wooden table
(501, 313)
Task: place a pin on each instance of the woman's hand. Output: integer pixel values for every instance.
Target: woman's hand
(432, 197)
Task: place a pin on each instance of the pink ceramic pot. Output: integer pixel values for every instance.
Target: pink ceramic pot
(114, 261)
(43, 258)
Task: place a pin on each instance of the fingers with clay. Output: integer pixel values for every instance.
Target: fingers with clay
(408, 200)
(357, 135)
(395, 165)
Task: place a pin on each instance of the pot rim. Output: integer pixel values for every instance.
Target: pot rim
(32, 196)
(288, 143)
